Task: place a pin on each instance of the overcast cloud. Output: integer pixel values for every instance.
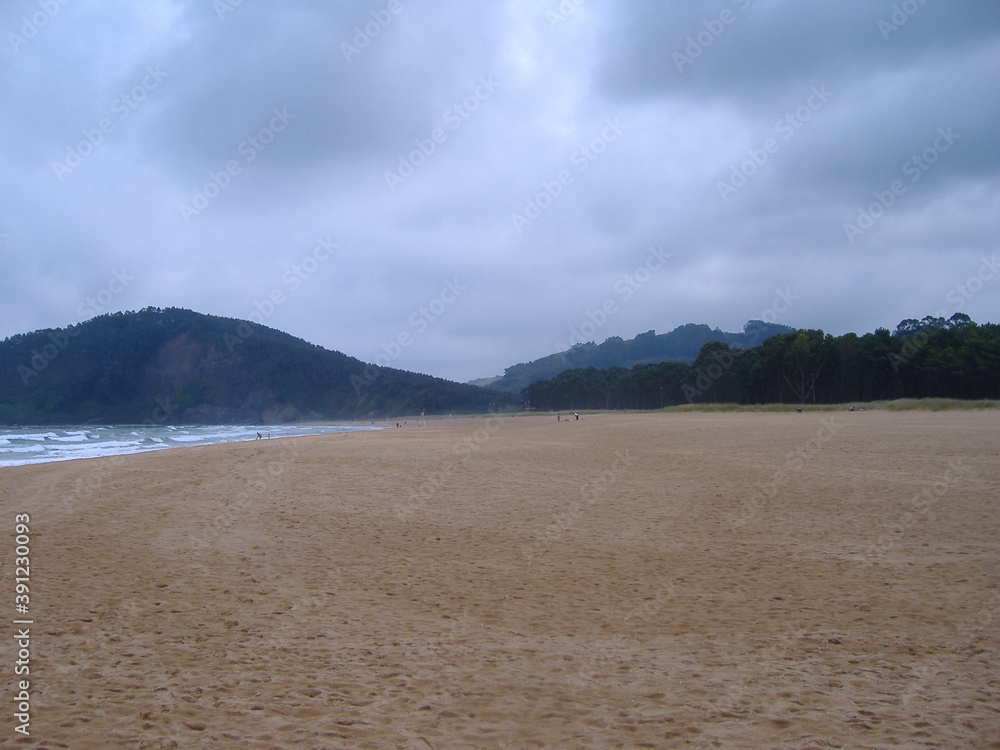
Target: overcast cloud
(493, 175)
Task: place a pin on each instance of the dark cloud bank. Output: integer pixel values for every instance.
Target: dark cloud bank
(479, 181)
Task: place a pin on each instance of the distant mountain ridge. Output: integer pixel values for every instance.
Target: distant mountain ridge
(176, 366)
(932, 358)
(683, 344)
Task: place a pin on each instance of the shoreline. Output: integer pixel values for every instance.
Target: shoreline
(48, 444)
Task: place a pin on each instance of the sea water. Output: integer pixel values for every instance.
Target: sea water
(36, 445)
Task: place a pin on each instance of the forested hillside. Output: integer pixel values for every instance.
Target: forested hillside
(933, 357)
(679, 345)
(178, 366)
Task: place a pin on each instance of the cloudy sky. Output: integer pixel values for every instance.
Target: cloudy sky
(461, 186)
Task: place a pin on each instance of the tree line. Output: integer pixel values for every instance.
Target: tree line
(928, 358)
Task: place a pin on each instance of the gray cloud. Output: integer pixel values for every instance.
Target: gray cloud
(294, 123)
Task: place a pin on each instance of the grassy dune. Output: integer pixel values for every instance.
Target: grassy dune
(902, 404)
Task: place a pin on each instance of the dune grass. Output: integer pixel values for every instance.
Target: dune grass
(902, 404)
(939, 404)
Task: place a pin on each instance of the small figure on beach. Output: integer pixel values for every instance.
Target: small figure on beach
(577, 415)
(559, 417)
(259, 436)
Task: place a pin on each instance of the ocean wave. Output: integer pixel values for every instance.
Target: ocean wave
(19, 447)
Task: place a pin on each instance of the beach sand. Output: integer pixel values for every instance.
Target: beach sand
(814, 580)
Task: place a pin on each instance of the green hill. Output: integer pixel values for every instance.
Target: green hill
(181, 367)
(683, 344)
(931, 358)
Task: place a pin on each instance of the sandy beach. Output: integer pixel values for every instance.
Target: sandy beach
(815, 580)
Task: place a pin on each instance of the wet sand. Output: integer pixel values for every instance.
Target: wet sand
(815, 580)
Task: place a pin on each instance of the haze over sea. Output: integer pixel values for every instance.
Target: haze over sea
(36, 445)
